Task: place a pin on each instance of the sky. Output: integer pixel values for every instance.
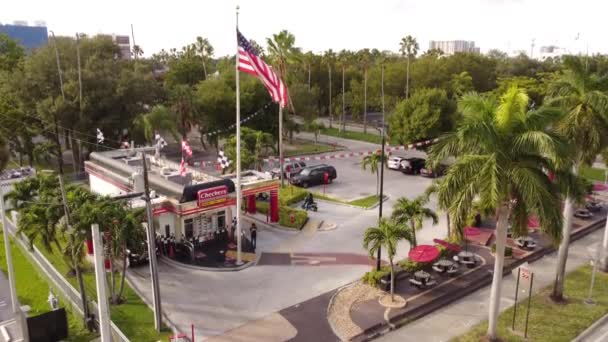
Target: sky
(318, 25)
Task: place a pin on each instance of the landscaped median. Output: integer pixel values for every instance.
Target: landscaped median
(363, 202)
(549, 321)
(33, 290)
(367, 137)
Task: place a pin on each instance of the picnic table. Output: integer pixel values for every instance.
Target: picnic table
(527, 242)
(465, 258)
(421, 279)
(445, 265)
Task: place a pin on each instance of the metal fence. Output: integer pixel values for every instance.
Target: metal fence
(59, 281)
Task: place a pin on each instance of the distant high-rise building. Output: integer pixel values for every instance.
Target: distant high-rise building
(30, 37)
(450, 47)
(551, 51)
(124, 44)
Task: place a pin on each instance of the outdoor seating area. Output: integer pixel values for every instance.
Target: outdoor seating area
(583, 214)
(422, 279)
(526, 242)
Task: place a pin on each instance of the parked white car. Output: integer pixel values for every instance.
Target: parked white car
(394, 163)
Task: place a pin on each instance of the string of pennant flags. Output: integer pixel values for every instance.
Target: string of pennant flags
(244, 120)
(354, 154)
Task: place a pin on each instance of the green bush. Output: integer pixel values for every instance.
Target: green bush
(373, 277)
(411, 266)
(508, 250)
(290, 194)
(284, 212)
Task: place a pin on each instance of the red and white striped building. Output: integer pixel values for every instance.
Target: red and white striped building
(195, 204)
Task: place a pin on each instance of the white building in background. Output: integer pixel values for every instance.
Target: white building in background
(124, 44)
(551, 51)
(450, 47)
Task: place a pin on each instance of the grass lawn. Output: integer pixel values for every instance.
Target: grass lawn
(33, 290)
(553, 322)
(363, 202)
(593, 173)
(133, 317)
(305, 148)
(334, 132)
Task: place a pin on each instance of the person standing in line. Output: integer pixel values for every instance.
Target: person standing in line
(254, 235)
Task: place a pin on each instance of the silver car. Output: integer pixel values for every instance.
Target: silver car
(394, 163)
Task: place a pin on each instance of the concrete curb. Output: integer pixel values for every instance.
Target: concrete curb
(274, 227)
(178, 264)
(589, 331)
(331, 303)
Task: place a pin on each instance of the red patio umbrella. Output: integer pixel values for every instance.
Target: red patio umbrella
(600, 187)
(471, 231)
(533, 222)
(450, 246)
(423, 253)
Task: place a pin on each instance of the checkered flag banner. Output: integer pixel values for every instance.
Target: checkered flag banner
(186, 148)
(223, 160)
(160, 141)
(100, 138)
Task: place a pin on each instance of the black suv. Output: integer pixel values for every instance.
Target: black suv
(412, 166)
(314, 175)
(438, 171)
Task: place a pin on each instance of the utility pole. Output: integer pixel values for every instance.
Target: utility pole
(152, 248)
(56, 128)
(100, 280)
(532, 48)
(83, 296)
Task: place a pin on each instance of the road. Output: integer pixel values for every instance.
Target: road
(216, 302)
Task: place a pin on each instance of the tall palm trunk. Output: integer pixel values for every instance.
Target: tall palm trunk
(414, 240)
(365, 101)
(204, 69)
(330, 109)
(124, 271)
(342, 123)
(59, 150)
(562, 255)
(604, 254)
(390, 261)
(309, 67)
(447, 217)
(407, 79)
(377, 183)
(499, 260)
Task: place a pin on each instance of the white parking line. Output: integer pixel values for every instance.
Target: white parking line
(5, 334)
(2, 303)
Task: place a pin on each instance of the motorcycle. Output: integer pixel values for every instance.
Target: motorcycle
(310, 206)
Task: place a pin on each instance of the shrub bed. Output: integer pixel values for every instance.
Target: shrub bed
(284, 215)
(373, 277)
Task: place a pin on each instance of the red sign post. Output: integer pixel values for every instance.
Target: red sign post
(325, 180)
(292, 218)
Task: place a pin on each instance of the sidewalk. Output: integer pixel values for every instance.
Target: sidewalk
(468, 311)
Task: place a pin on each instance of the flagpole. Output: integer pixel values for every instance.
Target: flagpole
(238, 150)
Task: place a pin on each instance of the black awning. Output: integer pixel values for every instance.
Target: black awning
(191, 192)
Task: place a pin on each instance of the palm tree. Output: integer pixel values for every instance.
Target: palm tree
(373, 162)
(137, 51)
(159, 118)
(282, 53)
(183, 103)
(409, 49)
(412, 213)
(365, 61)
(329, 57)
(502, 152)
(386, 235)
(308, 58)
(344, 60)
(263, 142)
(205, 50)
(582, 96)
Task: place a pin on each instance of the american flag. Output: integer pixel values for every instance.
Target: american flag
(186, 148)
(251, 63)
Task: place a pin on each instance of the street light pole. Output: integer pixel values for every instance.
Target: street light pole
(379, 261)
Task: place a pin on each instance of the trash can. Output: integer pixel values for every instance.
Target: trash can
(385, 283)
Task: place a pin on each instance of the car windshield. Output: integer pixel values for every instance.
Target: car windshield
(305, 172)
